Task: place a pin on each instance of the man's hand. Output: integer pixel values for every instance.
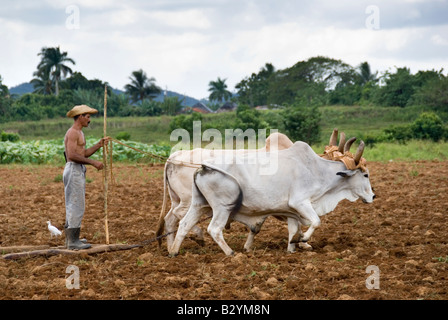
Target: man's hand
(104, 141)
(98, 165)
(97, 146)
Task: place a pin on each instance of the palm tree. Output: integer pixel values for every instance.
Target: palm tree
(142, 87)
(365, 74)
(4, 91)
(52, 66)
(219, 90)
(42, 83)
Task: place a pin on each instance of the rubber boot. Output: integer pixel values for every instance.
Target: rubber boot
(66, 238)
(73, 242)
(83, 240)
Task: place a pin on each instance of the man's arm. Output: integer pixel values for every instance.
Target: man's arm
(95, 147)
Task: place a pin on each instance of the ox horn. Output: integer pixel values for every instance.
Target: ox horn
(348, 144)
(341, 142)
(334, 137)
(359, 152)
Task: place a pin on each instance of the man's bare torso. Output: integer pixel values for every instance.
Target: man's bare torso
(78, 141)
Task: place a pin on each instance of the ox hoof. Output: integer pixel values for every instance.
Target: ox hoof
(294, 241)
(305, 246)
(172, 255)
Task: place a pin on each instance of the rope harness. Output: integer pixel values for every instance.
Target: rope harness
(154, 156)
(332, 153)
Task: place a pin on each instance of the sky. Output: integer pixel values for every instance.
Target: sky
(185, 44)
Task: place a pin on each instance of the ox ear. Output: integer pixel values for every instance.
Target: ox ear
(346, 173)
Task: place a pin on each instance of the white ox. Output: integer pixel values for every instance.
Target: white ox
(178, 180)
(304, 187)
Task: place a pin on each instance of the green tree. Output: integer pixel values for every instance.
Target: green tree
(78, 81)
(302, 123)
(312, 94)
(365, 74)
(151, 108)
(398, 88)
(249, 118)
(254, 90)
(423, 77)
(171, 105)
(428, 126)
(42, 83)
(185, 122)
(368, 92)
(91, 98)
(309, 81)
(4, 91)
(433, 93)
(142, 87)
(5, 100)
(349, 84)
(218, 90)
(53, 67)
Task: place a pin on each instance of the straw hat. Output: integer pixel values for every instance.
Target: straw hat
(81, 109)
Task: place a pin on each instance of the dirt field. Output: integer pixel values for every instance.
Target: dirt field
(404, 233)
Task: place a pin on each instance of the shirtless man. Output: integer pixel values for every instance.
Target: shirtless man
(74, 177)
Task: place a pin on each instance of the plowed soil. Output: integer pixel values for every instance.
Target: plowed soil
(404, 234)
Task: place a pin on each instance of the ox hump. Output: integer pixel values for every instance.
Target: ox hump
(301, 150)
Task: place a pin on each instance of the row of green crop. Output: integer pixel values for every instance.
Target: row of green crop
(52, 151)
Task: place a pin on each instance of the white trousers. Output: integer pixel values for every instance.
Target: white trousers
(74, 178)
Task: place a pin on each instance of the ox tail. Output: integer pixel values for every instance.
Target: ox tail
(161, 222)
(236, 206)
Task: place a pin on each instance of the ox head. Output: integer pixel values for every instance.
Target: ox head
(358, 180)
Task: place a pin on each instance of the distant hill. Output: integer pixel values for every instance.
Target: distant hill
(21, 89)
(188, 101)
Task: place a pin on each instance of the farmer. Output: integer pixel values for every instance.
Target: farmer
(77, 156)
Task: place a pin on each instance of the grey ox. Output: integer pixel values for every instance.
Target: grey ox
(178, 180)
(303, 188)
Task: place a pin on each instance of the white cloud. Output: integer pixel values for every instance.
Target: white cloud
(97, 4)
(185, 44)
(438, 40)
(181, 19)
(124, 17)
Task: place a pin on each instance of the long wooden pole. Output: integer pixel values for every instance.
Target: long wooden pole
(106, 226)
